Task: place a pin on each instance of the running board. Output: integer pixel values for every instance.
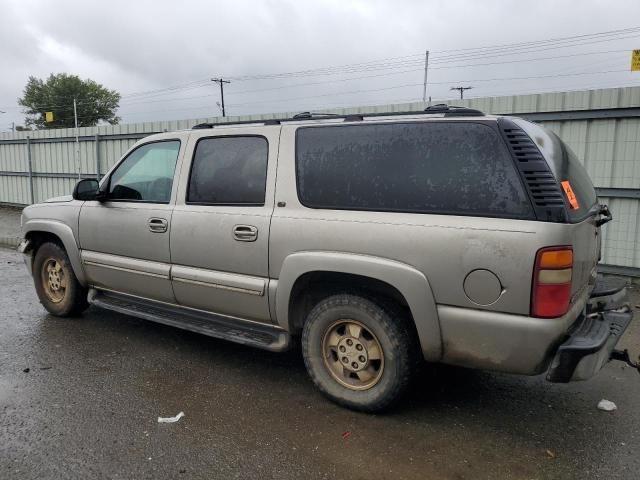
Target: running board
(254, 334)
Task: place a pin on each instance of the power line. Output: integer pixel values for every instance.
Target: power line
(494, 79)
(401, 86)
(550, 40)
(325, 82)
(466, 54)
(535, 77)
(193, 84)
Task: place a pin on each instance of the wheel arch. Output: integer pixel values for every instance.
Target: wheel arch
(40, 231)
(305, 271)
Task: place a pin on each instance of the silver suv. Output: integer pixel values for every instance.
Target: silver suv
(375, 241)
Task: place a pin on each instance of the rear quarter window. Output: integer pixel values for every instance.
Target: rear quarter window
(565, 166)
(459, 168)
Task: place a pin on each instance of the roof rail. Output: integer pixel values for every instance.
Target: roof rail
(314, 115)
(199, 126)
(453, 110)
(446, 110)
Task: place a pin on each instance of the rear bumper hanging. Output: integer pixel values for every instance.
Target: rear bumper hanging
(592, 342)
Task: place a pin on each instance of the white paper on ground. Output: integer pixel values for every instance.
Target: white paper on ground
(606, 405)
(171, 419)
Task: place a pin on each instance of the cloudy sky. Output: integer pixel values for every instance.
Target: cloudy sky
(161, 55)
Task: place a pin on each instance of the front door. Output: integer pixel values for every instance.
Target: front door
(125, 239)
(220, 227)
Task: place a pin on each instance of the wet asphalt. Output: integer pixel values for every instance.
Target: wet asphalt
(79, 398)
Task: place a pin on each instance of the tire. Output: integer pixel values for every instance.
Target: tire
(56, 285)
(329, 328)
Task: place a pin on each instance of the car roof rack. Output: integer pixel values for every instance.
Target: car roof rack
(441, 109)
(314, 115)
(453, 110)
(200, 126)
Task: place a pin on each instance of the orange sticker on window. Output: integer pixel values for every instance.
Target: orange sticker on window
(573, 201)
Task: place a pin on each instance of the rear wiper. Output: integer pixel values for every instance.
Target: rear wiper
(606, 216)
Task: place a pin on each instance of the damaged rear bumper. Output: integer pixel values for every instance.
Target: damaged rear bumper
(593, 339)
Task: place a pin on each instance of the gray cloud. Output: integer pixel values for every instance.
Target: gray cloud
(146, 45)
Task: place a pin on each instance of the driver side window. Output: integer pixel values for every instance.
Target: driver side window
(146, 175)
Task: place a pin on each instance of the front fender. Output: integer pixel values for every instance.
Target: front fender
(411, 283)
(65, 234)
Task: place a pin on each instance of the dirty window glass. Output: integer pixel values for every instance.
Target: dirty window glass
(229, 171)
(565, 166)
(571, 169)
(445, 167)
(146, 174)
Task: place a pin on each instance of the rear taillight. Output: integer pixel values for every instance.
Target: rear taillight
(551, 289)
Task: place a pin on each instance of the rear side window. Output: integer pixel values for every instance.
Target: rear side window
(229, 171)
(565, 167)
(433, 167)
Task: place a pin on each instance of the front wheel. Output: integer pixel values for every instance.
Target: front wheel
(56, 285)
(359, 353)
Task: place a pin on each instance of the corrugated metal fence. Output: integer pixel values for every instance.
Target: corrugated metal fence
(601, 126)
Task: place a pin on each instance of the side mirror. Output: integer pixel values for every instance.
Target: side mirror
(87, 189)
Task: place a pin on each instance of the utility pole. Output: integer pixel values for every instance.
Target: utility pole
(424, 87)
(461, 90)
(221, 82)
(13, 127)
(75, 116)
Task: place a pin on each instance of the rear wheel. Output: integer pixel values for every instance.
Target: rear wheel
(359, 353)
(56, 285)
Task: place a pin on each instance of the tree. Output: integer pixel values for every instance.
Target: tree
(95, 103)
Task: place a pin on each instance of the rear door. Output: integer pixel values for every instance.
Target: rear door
(220, 226)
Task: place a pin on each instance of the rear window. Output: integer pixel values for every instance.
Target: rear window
(566, 167)
(229, 171)
(455, 168)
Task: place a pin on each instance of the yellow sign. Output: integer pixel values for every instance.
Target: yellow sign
(48, 116)
(635, 60)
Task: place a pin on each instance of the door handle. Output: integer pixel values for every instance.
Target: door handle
(157, 225)
(245, 233)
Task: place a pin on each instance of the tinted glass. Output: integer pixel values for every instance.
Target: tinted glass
(571, 169)
(565, 166)
(444, 167)
(229, 171)
(146, 174)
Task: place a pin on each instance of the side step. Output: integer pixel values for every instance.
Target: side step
(254, 334)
